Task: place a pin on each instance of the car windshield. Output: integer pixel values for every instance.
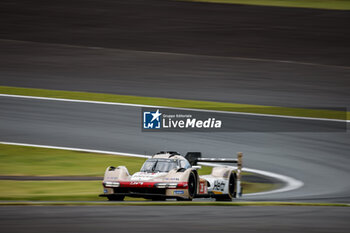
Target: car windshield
(159, 165)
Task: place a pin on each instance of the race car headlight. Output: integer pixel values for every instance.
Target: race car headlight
(172, 185)
(111, 184)
(161, 185)
(166, 185)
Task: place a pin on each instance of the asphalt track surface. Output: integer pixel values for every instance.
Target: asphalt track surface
(178, 50)
(223, 53)
(319, 159)
(177, 219)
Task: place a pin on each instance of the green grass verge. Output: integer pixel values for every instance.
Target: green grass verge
(318, 4)
(180, 103)
(249, 187)
(51, 190)
(33, 161)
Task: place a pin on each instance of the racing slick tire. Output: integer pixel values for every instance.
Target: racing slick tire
(231, 190)
(192, 187)
(116, 198)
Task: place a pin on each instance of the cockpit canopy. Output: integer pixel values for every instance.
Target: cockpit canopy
(154, 165)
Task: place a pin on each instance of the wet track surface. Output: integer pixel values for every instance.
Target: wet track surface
(228, 53)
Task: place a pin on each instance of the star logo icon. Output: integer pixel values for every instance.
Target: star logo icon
(156, 115)
(151, 119)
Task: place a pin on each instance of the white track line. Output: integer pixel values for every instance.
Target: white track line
(165, 107)
(290, 183)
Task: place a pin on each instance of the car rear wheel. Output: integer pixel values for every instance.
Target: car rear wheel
(232, 185)
(231, 190)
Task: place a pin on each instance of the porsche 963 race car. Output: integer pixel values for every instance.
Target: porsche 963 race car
(168, 175)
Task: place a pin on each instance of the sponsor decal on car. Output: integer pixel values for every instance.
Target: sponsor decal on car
(219, 185)
(171, 179)
(217, 192)
(179, 192)
(136, 183)
(203, 187)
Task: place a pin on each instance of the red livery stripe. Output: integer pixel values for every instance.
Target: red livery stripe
(143, 184)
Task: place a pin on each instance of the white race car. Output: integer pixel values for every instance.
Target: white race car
(169, 175)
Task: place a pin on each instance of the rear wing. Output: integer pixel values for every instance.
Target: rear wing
(195, 157)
